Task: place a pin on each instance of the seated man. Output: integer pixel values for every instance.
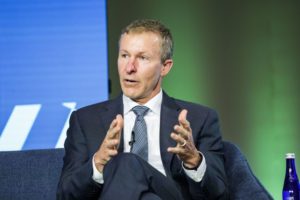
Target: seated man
(143, 144)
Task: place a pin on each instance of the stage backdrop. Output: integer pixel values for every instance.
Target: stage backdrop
(53, 59)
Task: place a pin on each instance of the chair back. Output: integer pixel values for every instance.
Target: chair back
(243, 184)
(30, 174)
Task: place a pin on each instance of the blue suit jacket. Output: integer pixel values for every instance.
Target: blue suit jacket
(88, 127)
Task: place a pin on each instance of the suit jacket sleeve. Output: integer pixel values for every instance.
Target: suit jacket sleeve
(208, 140)
(76, 178)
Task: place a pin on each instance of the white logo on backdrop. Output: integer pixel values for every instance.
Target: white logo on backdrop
(20, 123)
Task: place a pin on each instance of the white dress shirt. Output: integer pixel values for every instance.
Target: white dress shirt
(152, 119)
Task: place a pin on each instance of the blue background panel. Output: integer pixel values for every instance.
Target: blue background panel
(52, 52)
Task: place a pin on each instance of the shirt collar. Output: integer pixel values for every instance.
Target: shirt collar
(153, 104)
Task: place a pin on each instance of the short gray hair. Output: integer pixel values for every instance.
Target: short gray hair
(155, 26)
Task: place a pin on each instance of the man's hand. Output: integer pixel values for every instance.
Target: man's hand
(185, 148)
(109, 146)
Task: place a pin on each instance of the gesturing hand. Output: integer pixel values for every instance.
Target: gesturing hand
(109, 146)
(185, 148)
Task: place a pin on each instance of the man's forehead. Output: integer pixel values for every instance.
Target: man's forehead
(142, 35)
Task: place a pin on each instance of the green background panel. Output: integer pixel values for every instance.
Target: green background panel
(241, 58)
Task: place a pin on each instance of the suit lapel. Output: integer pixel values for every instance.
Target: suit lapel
(169, 117)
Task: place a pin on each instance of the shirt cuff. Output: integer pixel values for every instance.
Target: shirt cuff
(198, 174)
(97, 176)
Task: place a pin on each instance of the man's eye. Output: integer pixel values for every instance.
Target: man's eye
(143, 58)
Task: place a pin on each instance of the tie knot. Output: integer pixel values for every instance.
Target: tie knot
(140, 111)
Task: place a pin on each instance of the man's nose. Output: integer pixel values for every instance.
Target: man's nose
(131, 65)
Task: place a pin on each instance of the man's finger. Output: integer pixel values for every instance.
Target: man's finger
(113, 124)
(111, 144)
(115, 128)
(182, 119)
(176, 150)
(112, 152)
(181, 131)
(120, 121)
(178, 138)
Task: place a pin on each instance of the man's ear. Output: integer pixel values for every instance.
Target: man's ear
(167, 65)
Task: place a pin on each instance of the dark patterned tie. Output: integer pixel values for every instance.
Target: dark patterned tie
(140, 146)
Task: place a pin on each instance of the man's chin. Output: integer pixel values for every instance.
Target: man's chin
(131, 95)
(135, 97)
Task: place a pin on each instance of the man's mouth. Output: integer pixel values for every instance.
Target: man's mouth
(130, 81)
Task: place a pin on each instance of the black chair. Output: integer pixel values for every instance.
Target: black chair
(243, 184)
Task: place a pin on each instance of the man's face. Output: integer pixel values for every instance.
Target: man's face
(140, 67)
